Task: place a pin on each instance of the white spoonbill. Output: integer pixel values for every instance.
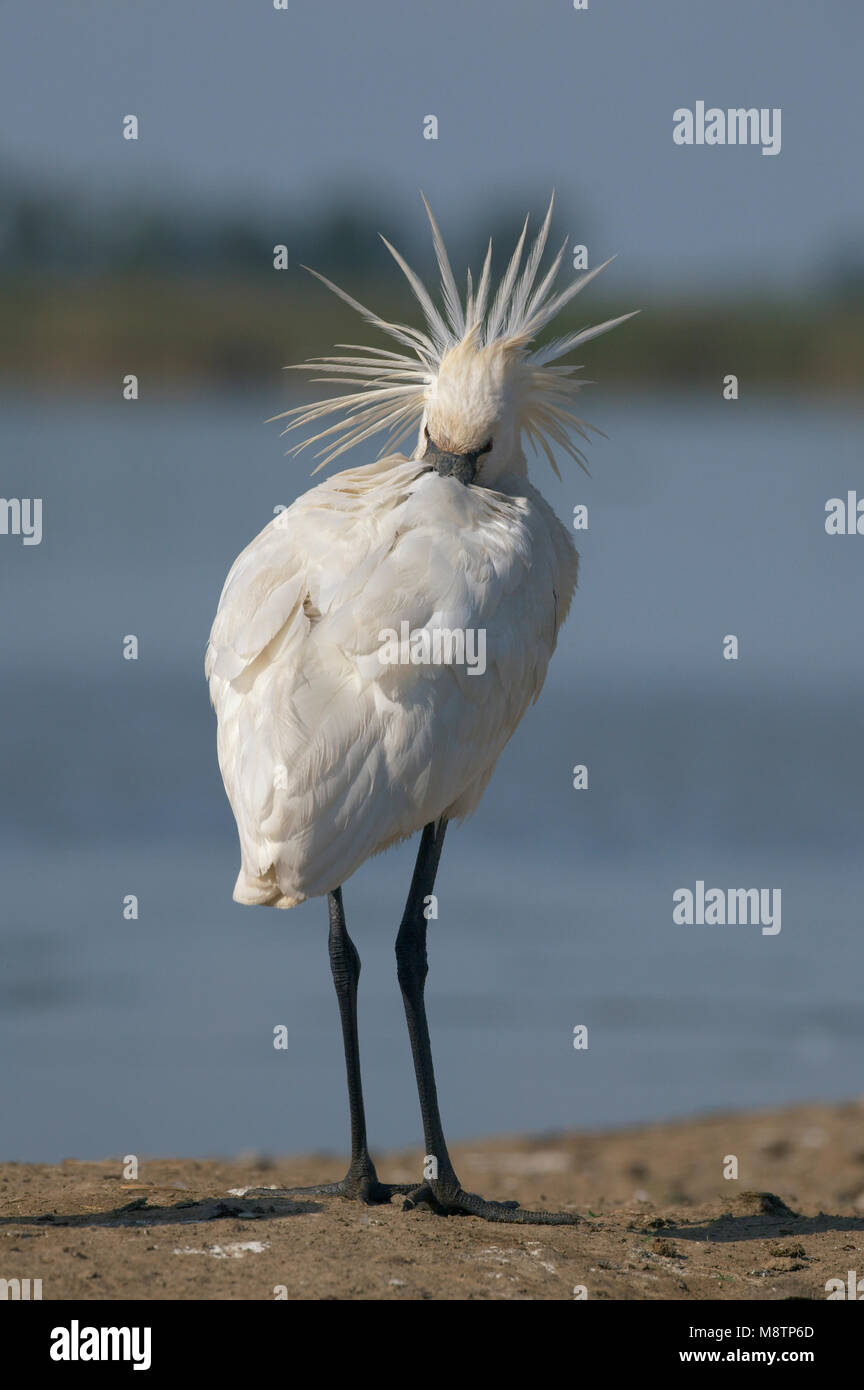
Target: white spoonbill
(344, 662)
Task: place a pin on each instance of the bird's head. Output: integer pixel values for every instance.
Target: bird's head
(475, 383)
(470, 423)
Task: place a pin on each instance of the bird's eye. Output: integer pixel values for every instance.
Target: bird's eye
(485, 449)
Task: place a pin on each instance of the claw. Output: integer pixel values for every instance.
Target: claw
(366, 1190)
(458, 1202)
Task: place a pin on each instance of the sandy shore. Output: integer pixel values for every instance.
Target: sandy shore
(659, 1220)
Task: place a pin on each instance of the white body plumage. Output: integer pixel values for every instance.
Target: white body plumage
(330, 755)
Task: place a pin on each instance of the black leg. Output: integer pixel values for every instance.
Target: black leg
(361, 1181)
(441, 1190)
(345, 968)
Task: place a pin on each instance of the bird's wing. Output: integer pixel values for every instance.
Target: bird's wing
(320, 542)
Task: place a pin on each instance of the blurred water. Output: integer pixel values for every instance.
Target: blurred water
(155, 1036)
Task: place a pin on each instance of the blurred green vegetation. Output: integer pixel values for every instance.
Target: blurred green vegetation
(90, 292)
(243, 331)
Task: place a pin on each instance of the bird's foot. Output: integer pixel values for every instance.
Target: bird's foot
(453, 1200)
(361, 1185)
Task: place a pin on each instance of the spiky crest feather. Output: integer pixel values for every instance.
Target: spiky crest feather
(394, 386)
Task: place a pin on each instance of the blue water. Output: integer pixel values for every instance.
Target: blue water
(155, 1035)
